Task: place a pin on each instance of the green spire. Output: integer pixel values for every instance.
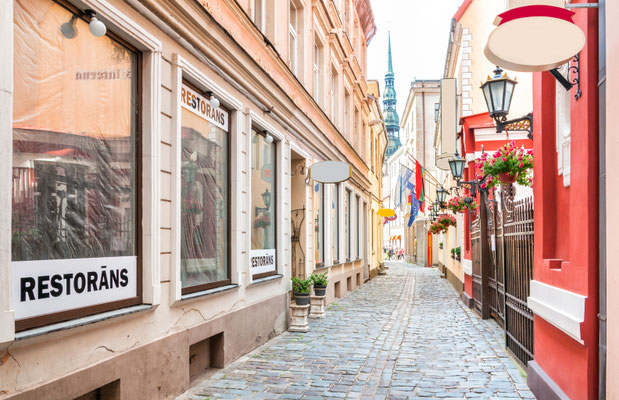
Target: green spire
(389, 62)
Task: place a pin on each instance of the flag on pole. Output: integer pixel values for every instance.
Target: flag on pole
(403, 181)
(414, 211)
(420, 173)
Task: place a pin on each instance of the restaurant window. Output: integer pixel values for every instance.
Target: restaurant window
(263, 205)
(347, 222)
(75, 177)
(358, 227)
(335, 223)
(204, 192)
(319, 199)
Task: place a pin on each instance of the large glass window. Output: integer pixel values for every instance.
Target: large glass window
(204, 192)
(263, 210)
(319, 221)
(347, 224)
(75, 163)
(335, 223)
(358, 227)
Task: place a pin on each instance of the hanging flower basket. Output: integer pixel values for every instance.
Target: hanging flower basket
(447, 220)
(508, 164)
(505, 177)
(437, 228)
(458, 205)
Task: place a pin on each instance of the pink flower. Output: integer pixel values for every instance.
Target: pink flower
(504, 159)
(530, 152)
(521, 165)
(483, 185)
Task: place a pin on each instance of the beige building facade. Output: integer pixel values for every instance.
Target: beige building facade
(156, 198)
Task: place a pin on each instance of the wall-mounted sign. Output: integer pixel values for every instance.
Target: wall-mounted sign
(199, 105)
(50, 286)
(330, 171)
(449, 122)
(262, 261)
(386, 212)
(534, 35)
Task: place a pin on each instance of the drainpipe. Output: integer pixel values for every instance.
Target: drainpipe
(602, 197)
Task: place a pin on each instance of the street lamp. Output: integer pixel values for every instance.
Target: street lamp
(498, 92)
(456, 165)
(441, 195)
(266, 197)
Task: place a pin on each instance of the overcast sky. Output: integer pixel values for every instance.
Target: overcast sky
(419, 37)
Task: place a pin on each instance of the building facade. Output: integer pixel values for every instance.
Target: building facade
(157, 199)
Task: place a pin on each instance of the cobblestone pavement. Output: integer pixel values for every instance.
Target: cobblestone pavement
(405, 335)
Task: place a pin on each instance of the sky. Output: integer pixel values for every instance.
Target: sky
(419, 38)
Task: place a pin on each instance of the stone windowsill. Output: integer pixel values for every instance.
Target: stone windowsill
(267, 279)
(208, 292)
(74, 323)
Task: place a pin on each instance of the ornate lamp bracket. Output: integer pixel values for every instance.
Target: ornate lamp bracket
(519, 124)
(569, 82)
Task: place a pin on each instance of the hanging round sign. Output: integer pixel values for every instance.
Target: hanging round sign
(330, 171)
(386, 212)
(534, 37)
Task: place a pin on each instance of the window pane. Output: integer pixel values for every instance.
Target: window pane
(204, 200)
(74, 139)
(319, 222)
(263, 191)
(335, 223)
(347, 211)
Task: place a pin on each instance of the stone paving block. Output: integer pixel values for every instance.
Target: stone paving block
(402, 335)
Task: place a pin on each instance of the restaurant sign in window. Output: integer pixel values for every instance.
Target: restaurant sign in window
(204, 192)
(75, 186)
(263, 260)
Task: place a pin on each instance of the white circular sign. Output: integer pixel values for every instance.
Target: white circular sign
(534, 38)
(330, 171)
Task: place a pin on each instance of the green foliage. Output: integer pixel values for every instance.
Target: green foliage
(301, 286)
(319, 279)
(507, 159)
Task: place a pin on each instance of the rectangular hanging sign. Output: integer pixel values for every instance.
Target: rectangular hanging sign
(198, 104)
(50, 286)
(262, 261)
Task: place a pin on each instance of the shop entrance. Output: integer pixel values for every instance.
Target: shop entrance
(298, 214)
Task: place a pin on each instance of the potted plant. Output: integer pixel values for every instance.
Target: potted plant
(440, 245)
(437, 228)
(457, 252)
(508, 164)
(320, 283)
(453, 253)
(459, 205)
(301, 289)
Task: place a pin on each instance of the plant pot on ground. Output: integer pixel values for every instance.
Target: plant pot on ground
(320, 282)
(301, 289)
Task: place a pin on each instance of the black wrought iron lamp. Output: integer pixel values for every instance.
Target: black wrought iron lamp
(441, 197)
(498, 92)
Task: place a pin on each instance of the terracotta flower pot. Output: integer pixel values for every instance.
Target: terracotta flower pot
(505, 177)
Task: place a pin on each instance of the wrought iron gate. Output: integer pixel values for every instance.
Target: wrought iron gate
(502, 256)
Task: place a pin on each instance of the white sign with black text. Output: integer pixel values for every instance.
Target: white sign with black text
(262, 261)
(50, 286)
(199, 105)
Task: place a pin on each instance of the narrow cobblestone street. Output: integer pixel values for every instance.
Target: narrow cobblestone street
(405, 335)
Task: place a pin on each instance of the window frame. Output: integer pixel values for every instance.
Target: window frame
(358, 226)
(348, 222)
(274, 202)
(293, 34)
(211, 285)
(335, 246)
(140, 243)
(321, 233)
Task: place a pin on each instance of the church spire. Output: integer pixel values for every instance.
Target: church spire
(389, 62)
(392, 121)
